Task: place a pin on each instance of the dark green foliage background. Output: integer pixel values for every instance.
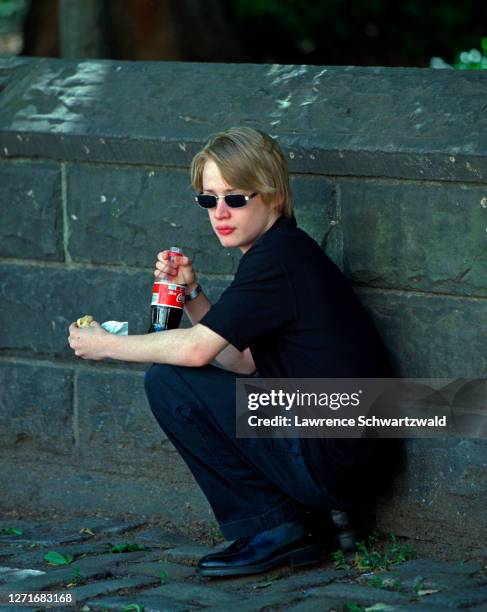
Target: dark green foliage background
(371, 32)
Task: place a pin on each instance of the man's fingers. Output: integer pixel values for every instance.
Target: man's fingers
(179, 259)
(182, 260)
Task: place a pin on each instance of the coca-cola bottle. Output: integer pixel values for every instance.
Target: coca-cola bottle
(167, 301)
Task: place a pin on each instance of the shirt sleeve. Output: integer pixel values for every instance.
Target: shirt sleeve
(259, 301)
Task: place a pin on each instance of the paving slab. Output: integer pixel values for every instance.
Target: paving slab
(6, 551)
(189, 555)
(434, 566)
(357, 593)
(33, 557)
(420, 606)
(12, 574)
(196, 594)
(26, 609)
(460, 598)
(56, 578)
(319, 604)
(49, 534)
(162, 576)
(259, 601)
(150, 603)
(171, 571)
(110, 586)
(157, 537)
(306, 580)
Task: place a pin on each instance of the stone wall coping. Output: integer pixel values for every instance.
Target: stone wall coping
(425, 124)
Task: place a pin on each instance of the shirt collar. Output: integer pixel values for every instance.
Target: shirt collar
(283, 221)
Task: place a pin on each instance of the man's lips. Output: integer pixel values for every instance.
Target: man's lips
(224, 230)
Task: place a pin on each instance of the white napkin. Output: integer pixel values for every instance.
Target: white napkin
(120, 328)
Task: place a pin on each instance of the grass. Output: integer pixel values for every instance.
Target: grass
(375, 553)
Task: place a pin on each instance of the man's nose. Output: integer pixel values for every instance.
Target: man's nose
(222, 209)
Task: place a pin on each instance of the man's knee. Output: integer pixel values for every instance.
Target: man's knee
(156, 379)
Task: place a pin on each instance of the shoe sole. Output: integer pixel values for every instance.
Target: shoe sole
(296, 558)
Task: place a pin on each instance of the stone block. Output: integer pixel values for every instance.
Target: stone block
(104, 587)
(57, 577)
(124, 216)
(314, 201)
(460, 598)
(342, 120)
(36, 408)
(186, 555)
(38, 304)
(356, 593)
(165, 571)
(32, 226)
(149, 602)
(195, 593)
(419, 236)
(319, 603)
(430, 336)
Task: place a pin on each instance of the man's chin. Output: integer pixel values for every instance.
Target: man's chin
(228, 241)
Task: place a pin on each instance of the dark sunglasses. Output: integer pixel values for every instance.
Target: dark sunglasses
(236, 200)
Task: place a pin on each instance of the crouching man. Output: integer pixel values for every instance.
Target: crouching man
(289, 313)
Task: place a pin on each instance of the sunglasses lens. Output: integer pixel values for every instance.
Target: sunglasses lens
(235, 201)
(207, 201)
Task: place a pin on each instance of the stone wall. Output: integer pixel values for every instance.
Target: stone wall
(388, 174)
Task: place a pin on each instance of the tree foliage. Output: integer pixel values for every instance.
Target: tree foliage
(380, 32)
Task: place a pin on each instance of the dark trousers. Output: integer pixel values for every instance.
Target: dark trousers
(252, 484)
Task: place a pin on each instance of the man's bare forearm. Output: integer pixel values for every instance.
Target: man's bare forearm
(230, 358)
(174, 346)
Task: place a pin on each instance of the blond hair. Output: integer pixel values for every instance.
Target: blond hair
(247, 159)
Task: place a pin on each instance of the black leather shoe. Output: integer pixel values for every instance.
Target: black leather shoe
(291, 543)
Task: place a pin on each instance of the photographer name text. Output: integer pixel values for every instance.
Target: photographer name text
(361, 421)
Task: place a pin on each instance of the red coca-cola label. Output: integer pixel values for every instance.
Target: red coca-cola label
(167, 294)
(173, 254)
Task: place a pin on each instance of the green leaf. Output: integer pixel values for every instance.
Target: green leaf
(164, 576)
(133, 608)
(11, 531)
(56, 558)
(483, 43)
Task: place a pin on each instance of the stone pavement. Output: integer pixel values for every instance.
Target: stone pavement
(135, 566)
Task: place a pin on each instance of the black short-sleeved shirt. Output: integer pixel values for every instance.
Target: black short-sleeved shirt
(295, 310)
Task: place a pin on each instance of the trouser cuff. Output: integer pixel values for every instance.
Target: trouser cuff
(285, 512)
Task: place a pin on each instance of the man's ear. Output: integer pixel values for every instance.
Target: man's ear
(278, 204)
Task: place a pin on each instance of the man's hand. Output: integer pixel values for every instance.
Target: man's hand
(89, 342)
(179, 271)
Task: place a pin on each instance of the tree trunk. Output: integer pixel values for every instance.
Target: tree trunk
(84, 29)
